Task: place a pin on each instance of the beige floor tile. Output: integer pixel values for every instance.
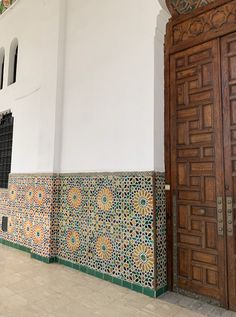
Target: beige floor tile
(29, 288)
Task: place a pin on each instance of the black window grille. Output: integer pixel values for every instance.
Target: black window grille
(6, 136)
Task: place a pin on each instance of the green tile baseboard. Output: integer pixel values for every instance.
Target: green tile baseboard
(28, 250)
(135, 287)
(43, 259)
(15, 245)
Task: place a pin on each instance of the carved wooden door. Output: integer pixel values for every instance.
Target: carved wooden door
(197, 173)
(228, 56)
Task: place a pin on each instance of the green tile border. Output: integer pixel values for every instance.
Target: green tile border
(28, 250)
(135, 287)
(14, 245)
(43, 259)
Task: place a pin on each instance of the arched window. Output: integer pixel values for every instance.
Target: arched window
(13, 60)
(2, 61)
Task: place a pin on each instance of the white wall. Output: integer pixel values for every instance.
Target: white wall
(159, 137)
(86, 97)
(108, 118)
(32, 98)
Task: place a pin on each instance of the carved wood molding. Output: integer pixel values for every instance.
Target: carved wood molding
(177, 7)
(209, 22)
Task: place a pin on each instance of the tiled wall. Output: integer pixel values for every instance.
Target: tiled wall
(29, 204)
(109, 225)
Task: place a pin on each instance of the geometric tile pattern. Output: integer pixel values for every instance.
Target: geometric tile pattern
(101, 221)
(29, 204)
(161, 230)
(108, 225)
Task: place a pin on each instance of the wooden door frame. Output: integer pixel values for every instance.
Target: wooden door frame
(172, 45)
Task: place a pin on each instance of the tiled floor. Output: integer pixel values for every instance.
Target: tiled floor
(31, 288)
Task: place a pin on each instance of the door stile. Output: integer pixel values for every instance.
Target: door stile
(219, 143)
(228, 72)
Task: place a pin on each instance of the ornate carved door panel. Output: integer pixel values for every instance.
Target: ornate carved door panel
(197, 177)
(200, 148)
(228, 56)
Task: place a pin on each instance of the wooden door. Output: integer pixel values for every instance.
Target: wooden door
(197, 178)
(228, 57)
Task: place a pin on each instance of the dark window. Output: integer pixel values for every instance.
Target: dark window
(6, 136)
(2, 72)
(2, 62)
(15, 64)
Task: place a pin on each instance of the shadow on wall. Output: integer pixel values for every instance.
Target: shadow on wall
(162, 20)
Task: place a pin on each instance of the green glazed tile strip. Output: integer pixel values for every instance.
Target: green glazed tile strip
(28, 250)
(14, 245)
(161, 291)
(43, 259)
(135, 287)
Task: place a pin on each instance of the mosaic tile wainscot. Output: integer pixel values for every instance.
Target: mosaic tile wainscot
(110, 225)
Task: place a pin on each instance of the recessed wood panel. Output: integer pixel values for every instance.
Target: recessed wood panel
(181, 133)
(194, 125)
(180, 62)
(190, 239)
(201, 138)
(212, 277)
(187, 73)
(204, 257)
(188, 153)
(208, 152)
(182, 174)
(195, 58)
(183, 216)
(233, 111)
(205, 167)
(183, 262)
(193, 84)
(210, 189)
(211, 235)
(232, 67)
(195, 180)
(207, 116)
(188, 113)
(233, 135)
(232, 90)
(233, 149)
(196, 225)
(197, 274)
(189, 195)
(231, 47)
(180, 94)
(200, 97)
(207, 74)
(198, 211)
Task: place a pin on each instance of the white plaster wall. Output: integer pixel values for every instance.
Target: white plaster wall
(32, 98)
(88, 95)
(108, 115)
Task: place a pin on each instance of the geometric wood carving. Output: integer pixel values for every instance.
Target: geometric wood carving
(211, 21)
